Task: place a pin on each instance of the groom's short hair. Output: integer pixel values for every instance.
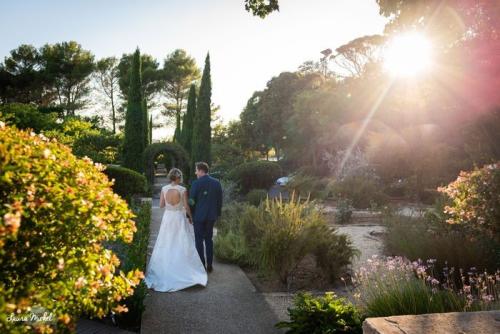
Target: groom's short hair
(202, 166)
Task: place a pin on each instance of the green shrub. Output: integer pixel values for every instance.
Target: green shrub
(255, 175)
(256, 196)
(229, 191)
(361, 190)
(324, 314)
(25, 116)
(229, 247)
(56, 212)
(134, 256)
(99, 147)
(283, 233)
(127, 182)
(307, 186)
(343, 215)
(277, 235)
(229, 243)
(224, 158)
(72, 129)
(431, 238)
(475, 200)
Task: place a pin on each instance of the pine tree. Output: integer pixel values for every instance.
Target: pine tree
(202, 131)
(188, 120)
(133, 145)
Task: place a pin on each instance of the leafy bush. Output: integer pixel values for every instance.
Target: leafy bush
(256, 196)
(229, 191)
(225, 157)
(431, 238)
(361, 190)
(324, 314)
(134, 256)
(229, 220)
(56, 212)
(343, 215)
(229, 247)
(399, 188)
(127, 182)
(99, 147)
(71, 129)
(285, 232)
(255, 175)
(25, 116)
(475, 200)
(229, 244)
(277, 235)
(307, 186)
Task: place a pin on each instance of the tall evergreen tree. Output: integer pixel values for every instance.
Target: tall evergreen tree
(146, 122)
(177, 133)
(150, 129)
(188, 120)
(202, 130)
(134, 144)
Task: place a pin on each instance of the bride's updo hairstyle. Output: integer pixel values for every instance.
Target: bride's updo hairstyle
(175, 174)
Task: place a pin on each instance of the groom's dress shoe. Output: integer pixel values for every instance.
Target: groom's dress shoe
(209, 268)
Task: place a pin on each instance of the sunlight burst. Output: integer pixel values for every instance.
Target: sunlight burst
(408, 54)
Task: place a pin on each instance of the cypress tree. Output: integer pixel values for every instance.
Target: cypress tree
(146, 122)
(150, 129)
(177, 133)
(188, 120)
(133, 145)
(202, 131)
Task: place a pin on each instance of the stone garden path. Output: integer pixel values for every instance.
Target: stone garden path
(229, 303)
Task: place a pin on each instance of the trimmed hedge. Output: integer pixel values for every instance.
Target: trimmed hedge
(127, 182)
(153, 150)
(57, 211)
(256, 175)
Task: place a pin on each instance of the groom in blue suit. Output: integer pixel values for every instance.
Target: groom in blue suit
(205, 197)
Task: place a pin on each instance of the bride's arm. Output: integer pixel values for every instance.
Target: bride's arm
(186, 206)
(162, 199)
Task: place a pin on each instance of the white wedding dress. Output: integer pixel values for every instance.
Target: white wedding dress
(175, 263)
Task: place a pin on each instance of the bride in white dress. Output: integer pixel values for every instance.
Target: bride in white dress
(175, 263)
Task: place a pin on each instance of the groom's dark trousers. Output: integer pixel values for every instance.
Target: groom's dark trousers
(205, 197)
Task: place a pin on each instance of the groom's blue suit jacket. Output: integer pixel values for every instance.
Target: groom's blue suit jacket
(205, 197)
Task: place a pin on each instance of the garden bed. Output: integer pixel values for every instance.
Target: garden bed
(366, 237)
(306, 277)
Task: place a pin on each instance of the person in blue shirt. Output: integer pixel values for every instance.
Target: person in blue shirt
(205, 197)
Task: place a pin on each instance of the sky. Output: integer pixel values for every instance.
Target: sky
(245, 51)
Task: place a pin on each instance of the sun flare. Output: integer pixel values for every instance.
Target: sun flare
(408, 54)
